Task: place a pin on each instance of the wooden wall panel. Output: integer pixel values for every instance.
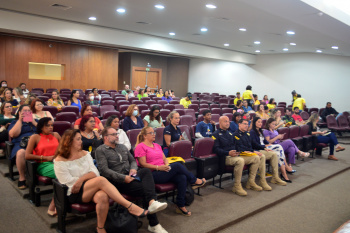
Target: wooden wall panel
(86, 66)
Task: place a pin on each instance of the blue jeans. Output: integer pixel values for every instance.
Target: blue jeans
(331, 139)
(179, 175)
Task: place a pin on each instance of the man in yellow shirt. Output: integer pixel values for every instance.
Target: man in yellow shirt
(299, 102)
(186, 101)
(238, 97)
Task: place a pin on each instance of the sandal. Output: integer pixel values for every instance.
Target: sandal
(22, 184)
(141, 215)
(196, 186)
(51, 213)
(339, 149)
(180, 211)
(304, 154)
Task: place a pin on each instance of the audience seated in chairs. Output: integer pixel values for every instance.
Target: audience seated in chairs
(160, 94)
(113, 121)
(167, 97)
(132, 118)
(256, 101)
(56, 100)
(73, 100)
(129, 94)
(171, 133)
(141, 94)
(324, 136)
(258, 137)
(224, 145)
(30, 98)
(244, 145)
(238, 107)
(206, 127)
(272, 136)
(148, 91)
(23, 126)
(136, 92)
(153, 118)
(296, 116)
(42, 148)
(287, 118)
(8, 97)
(299, 102)
(238, 97)
(24, 89)
(276, 114)
(186, 101)
(126, 87)
(265, 99)
(75, 168)
(126, 177)
(328, 111)
(234, 123)
(3, 83)
(246, 107)
(37, 106)
(248, 96)
(150, 155)
(261, 112)
(96, 95)
(91, 99)
(88, 132)
(271, 104)
(18, 94)
(2, 93)
(87, 110)
(6, 118)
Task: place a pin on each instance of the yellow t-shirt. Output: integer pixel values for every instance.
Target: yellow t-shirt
(185, 103)
(299, 103)
(246, 95)
(271, 106)
(257, 102)
(235, 100)
(159, 95)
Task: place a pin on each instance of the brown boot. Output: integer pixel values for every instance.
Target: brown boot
(237, 189)
(252, 185)
(264, 185)
(276, 180)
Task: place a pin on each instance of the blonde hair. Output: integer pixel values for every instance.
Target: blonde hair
(171, 116)
(141, 136)
(313, 118)
(130, 110)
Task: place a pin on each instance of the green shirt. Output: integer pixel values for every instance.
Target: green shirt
(4, 121)
(154, 123)
(140, 96)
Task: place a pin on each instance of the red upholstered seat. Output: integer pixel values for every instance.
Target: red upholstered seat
(43, 180)
(130, 198)
(167, 187)
(87, 207)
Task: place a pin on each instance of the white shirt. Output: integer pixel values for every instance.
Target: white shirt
(123, 139)
(68, 172)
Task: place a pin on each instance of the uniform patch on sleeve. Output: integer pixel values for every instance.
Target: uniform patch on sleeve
(237, 137)
(213, 137)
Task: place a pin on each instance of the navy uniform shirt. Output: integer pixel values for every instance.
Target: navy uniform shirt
(223, 142)
(244, 142)
(174, 133)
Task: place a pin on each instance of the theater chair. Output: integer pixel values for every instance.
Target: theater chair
(74, 109)
(110, 113)
(132, 135)
(294, 135)
(66, 116)
(183, 149)
(207, 161)
(186, 120)
(33, 180)
(187, 129)
(52, 109)
(10, 162)
(159, 135)
(333, 125)
(63, 206)
(308, 140)
(61, 126)
(343, 122)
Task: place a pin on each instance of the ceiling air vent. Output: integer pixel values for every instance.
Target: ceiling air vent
(144, 23)
(61, 7)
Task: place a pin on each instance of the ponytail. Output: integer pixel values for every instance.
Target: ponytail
(140, 137)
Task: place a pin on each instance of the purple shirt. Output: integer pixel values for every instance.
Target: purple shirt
(167, 99)
(271, 134)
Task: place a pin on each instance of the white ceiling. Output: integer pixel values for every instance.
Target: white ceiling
(265, 20)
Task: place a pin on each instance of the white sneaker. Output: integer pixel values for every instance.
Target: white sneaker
(157, 229)
(157, 206)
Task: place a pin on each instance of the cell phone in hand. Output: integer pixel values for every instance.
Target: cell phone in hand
(136, 177)
(28, 117)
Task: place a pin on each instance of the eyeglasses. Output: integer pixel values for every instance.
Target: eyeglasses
(113, 134)
(26, 111)
(8, 106)
(39, 105)
(152, 133)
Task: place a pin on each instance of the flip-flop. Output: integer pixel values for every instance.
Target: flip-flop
(195, 186)
(305, 155)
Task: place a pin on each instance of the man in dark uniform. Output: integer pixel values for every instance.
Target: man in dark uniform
(224, 145)
(246, 145)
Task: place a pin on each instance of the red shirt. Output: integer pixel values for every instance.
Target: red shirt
(97, 122)
(297, 117)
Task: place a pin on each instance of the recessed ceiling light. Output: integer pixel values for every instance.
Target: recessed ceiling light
(292, 43)
(204, 29)
(256, 42)
(121, 10)
(92, 18)
(285, 49)
(158, 6)
(335, 47)
(226, 44)
(290, 33)
(172, 33)
(211, 6)
(243, 29)
(318, 51)
(257, 51)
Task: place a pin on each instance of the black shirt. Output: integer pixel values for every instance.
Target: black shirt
(223, 142)
(245, 143)
(174, 133)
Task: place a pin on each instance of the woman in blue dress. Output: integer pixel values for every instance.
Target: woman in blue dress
(74, 101)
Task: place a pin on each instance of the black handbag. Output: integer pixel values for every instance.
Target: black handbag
(189, 196)
(24, 142)
(120, 220)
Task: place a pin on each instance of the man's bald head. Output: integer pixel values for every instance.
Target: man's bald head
(224, 122)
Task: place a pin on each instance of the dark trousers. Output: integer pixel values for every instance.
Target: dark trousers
(178, 175)
(144, 189)
(4, 136)
(331, 139)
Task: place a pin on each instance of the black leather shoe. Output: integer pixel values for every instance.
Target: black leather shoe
(288, 181)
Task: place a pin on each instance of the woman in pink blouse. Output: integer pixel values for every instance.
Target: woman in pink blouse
(150, 155)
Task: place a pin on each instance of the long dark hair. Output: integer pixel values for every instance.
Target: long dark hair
(268, 122)
(20, 110)
(235, 115)
(256, 130)
(42, 122)
(151, 116)
(71, 95)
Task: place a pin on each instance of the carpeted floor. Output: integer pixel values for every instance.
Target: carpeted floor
(316, 201)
